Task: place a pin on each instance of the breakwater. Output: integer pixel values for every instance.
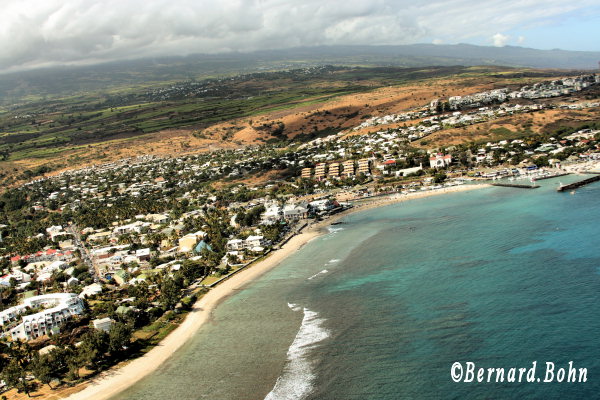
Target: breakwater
(516, 185)
(575, 185)
(541, 178)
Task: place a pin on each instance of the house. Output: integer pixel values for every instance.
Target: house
(271, 215)
(157, 218)
(189, 241)
(143, 254)
(235, 244)
(202, 245)
(293, 212)
(103, 324)
(91, 290)
(306, 173)
(134, 227)
(255, 243)
(440, 160)
(322, 205)
(121, 276)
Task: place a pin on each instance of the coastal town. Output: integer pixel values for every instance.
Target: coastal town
(100, 264)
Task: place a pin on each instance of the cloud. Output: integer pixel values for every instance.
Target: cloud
(521, 39)
(500, 39)
(37, 33)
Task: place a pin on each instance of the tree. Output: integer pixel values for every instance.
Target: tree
(15, 376)
(169, 293)
(119, 337)
(42, 368)
(93, 346)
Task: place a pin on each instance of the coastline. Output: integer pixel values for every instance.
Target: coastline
(116, 380)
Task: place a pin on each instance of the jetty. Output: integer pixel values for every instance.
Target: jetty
(575, 185)
(551, 176)
(516, 185)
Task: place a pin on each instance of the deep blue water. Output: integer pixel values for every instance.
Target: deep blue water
(384, 304)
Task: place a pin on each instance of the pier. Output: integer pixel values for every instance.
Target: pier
(575, 185)
(516, 185)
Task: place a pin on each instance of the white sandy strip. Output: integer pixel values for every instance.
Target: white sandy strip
(116, 380)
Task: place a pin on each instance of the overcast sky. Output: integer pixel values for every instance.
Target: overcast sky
(48, 32)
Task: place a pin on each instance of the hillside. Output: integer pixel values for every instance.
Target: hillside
(41, 137)
(117, 77)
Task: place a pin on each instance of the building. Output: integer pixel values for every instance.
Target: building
(271, 215)
(56, 308)
(334, 170)
(103, 324)
(254, 241)
(320, 171)
(349, 168)
(306, 173)
(440, 160)
(293, 212)
(364, 166)
(235, 244)
(408, 171)
(189, 241)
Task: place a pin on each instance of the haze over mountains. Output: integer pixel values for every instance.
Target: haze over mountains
(151, 72)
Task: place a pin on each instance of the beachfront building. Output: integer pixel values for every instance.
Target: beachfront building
(320, 171)
(306, 173)
(364, 166)
(334, 170)
(294, 212)
(272, 214)
(349, 168)
(55, 309)
(440, 160)
(235, 244)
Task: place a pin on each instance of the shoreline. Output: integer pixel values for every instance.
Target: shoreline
(116, 380)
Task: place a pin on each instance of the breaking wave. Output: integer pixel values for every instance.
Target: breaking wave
(296, 380)
(318, 273)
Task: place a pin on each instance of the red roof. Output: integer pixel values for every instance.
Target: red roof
(49, 252)
(15, 258)
(388, 162)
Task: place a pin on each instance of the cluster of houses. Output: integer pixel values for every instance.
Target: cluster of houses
(111, 250)
(555, 88)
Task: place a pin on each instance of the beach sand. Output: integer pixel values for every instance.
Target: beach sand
(115, 380)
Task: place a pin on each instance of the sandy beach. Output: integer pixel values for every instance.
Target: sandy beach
(115, 380)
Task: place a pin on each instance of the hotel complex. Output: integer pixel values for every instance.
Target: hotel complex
(56, 308)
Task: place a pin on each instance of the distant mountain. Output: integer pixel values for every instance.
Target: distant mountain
(46, 83)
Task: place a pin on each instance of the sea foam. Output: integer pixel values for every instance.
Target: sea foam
(296, 380)
(318, 273)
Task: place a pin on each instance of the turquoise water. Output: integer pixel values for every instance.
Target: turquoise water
(384, 304)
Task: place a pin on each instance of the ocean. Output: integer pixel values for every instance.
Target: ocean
(383, 305)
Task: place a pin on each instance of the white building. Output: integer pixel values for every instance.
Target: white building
(102, 324)
(56, 309)
(440, 160)
(294, 212)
